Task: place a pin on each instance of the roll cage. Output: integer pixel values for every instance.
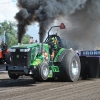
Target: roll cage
(57, 38)
(56, 43)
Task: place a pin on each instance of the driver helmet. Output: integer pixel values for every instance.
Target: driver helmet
(54, 40)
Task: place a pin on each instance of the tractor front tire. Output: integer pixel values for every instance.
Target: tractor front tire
(70, 67)
(8, 58)
(1, 61)
(13, 76)
(42, 71)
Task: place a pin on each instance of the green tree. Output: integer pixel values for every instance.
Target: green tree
(26, 39)
(10, 30)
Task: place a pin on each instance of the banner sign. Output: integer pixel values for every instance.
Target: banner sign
(90, 53)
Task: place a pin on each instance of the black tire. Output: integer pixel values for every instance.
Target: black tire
(1, 61)
(93, 63)
(13, 76)
(8, 58)
(61, 56)
(42, 71)
(70, 67)
(84, 68)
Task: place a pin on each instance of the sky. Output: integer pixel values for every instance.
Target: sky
(8, 9)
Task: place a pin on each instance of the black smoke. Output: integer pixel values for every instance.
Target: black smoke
(44, 12)
(83, 26)
(81, 17)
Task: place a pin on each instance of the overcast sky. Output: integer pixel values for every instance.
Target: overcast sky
(8, 10)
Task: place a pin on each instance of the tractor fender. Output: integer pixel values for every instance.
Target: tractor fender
(62, 55)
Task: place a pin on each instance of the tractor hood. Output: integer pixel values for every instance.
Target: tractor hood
(40, 46)
(22, 46)
(28, 54)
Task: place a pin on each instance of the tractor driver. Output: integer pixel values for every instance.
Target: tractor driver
(53, 43)
(53, 46)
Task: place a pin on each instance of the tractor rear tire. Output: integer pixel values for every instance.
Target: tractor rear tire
(42, 71)
(70, 67)
(13, 76)
(8, 58)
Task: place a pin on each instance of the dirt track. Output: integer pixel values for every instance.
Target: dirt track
(27, 89)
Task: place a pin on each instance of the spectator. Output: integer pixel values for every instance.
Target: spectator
(31, 40)
(36, 41)
(0, 41)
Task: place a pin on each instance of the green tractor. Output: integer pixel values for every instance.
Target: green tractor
(47, 60)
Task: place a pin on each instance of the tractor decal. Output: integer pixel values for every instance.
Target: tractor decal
(60, 51)
(55, 68)
(45, 55)
(37, 62)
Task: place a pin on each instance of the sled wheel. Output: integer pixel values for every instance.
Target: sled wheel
(84, 68)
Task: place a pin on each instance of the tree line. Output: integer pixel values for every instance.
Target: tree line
(10, 30)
